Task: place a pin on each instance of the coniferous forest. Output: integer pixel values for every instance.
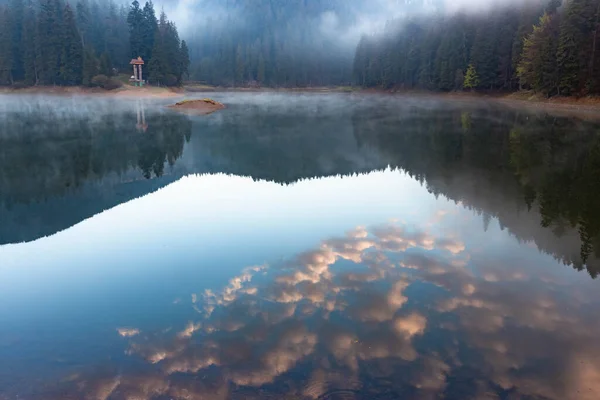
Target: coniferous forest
(548, 46)
(53, 42)
(551, 47)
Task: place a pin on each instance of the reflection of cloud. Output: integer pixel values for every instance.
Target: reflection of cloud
(143, 387)
(315, 320)
(292, 344)
(128, 332)
(189, 330)
(231, 291)
(377, 307)
(411, 325)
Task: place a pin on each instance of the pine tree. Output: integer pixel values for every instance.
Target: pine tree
(157, 68)
(135, 20)
(538, 68)
(105, 65)
(149, 26)
(17, 8)
(82, 11)
(115, 32)
(49, 49)
(471, 78)
(261, 73)
(184, 59)
(71, 63)
(239, 66)
(6, 53)
(29, 40)
(575, 45)
(90, 66)
(483, 55)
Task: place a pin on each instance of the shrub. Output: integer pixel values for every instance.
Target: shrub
(170, 80)
(105, 82)
(20, 85)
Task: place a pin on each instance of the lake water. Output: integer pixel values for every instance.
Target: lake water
(297, 246)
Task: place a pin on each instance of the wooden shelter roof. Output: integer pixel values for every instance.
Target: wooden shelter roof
(137, 61)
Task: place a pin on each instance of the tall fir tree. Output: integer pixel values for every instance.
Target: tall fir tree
(483, 54)
(71, 62)
(90, 66)
(184, 59)
(538, 67)
(6, 51)
(576, 45)
(49, 30)
(135, 20)
(148, 30)
(29, 49)
(17, 8)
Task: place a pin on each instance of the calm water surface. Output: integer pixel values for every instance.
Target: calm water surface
(297, 247)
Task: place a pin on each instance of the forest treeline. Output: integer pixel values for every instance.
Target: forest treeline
(548, 46)
(53, 42)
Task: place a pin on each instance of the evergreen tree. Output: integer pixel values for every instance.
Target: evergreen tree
(82, 11)
(239, 67)
(261, 73)
(148, 30)
(71, 63)
(90, 66)
(49, 49)
(105, 65)
(361, 62)
(135, 20)
(29, 51)
(17, 10)
(575, 44)
(6, 51)
(157, 67)
(471, 80)
(483, 55)
(538, 66)
(184, 59)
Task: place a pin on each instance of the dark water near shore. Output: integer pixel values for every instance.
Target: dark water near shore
(297, 247)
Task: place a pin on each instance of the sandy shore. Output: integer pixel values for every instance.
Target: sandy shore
(125, 91)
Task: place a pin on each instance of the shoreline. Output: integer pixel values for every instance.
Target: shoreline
(124, 91)
(583, 107)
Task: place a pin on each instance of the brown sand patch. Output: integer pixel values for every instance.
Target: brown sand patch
(198, 107)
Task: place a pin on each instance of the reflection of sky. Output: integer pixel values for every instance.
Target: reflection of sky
(198, 220)
(135, 267)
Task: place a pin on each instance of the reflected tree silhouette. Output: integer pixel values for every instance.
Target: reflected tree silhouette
(500, 162)
(49, 155)
(545, 163)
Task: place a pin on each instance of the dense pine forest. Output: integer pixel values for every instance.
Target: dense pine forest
(548, 46)
(52, 42)
(545, 46)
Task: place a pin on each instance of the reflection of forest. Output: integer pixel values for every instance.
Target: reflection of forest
(283, 144)
(538, 175)
(51, 155)
(51, 164)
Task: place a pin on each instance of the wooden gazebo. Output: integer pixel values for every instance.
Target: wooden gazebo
(136, 79)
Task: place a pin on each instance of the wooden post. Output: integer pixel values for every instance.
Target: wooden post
(140, 75)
